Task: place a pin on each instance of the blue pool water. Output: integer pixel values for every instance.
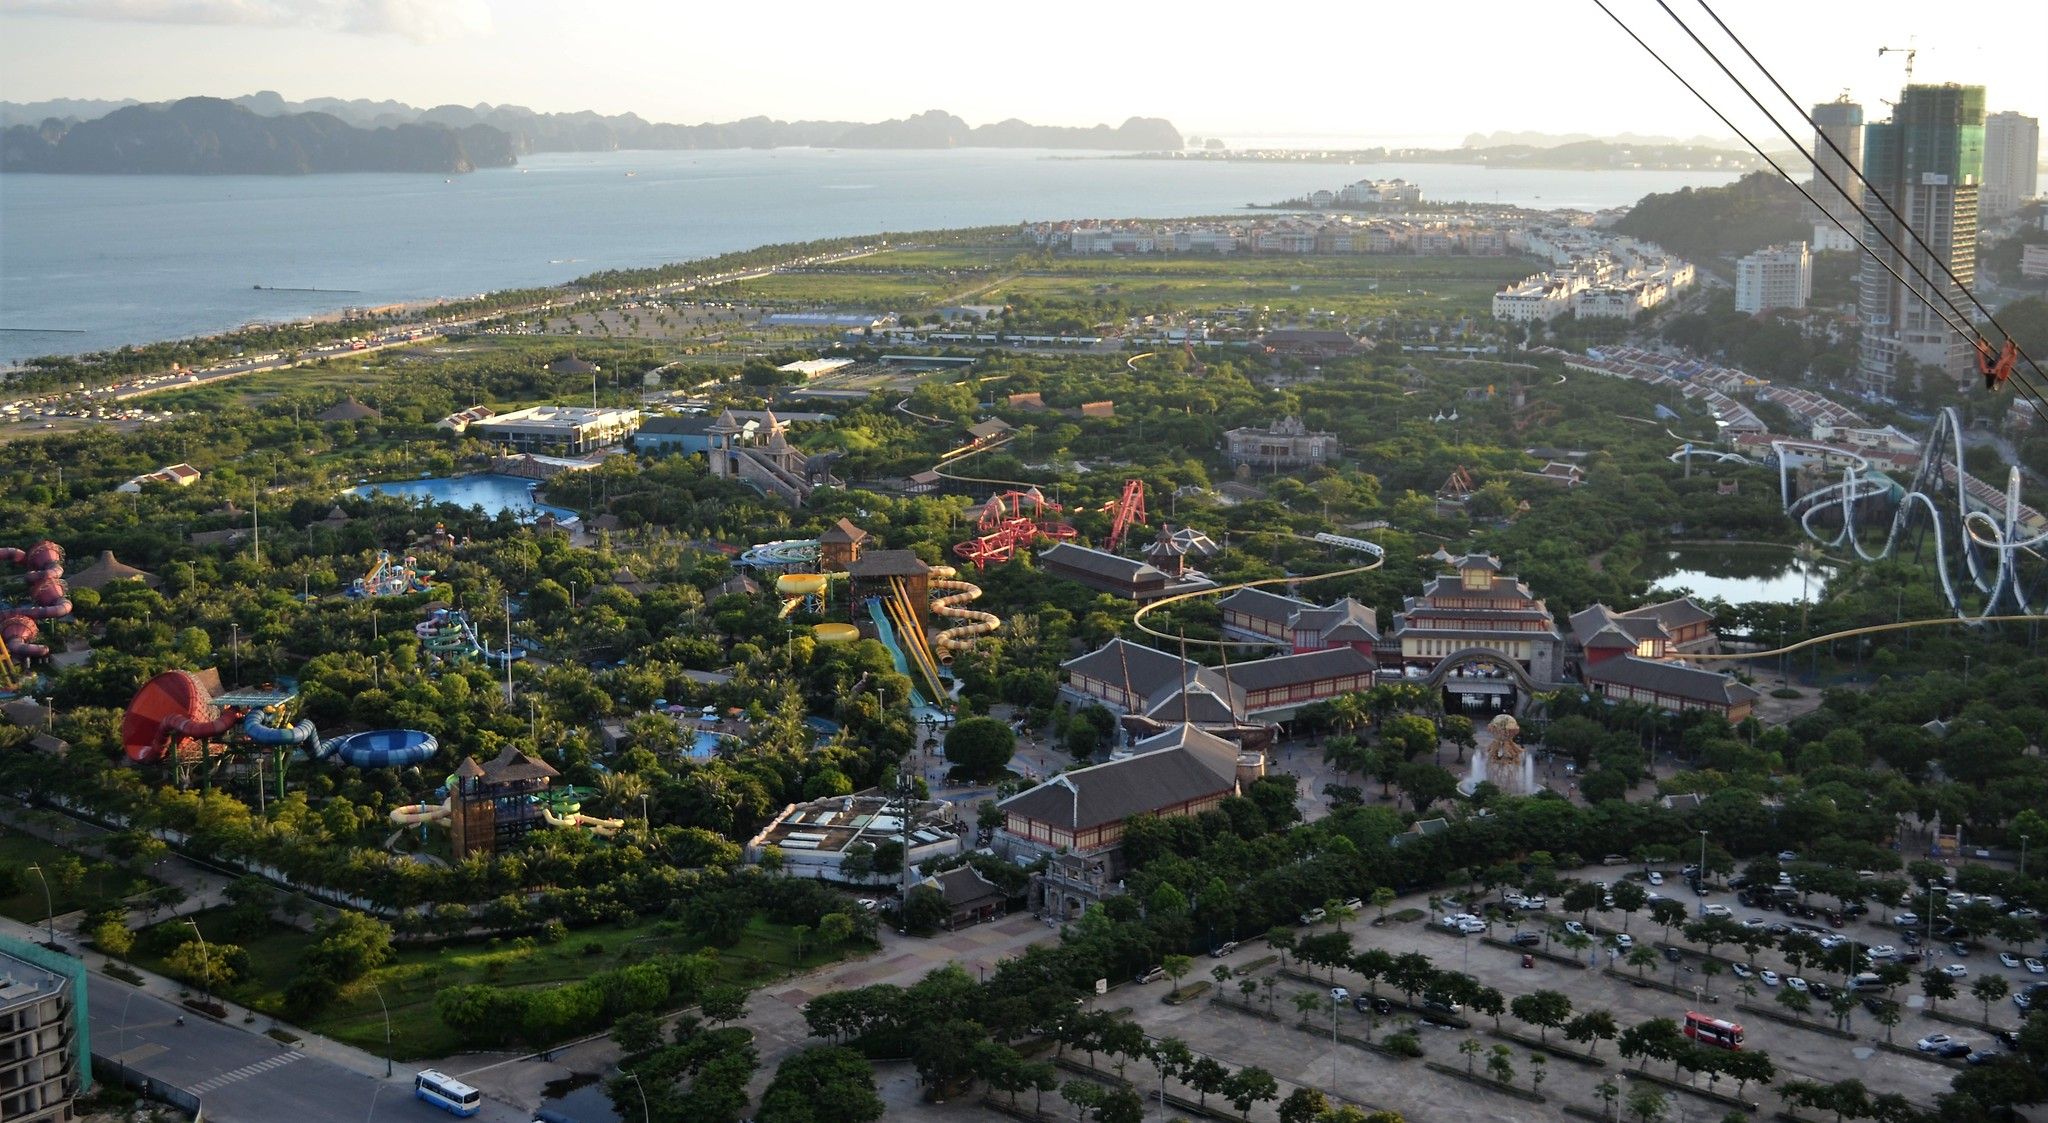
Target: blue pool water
(493, 493)
(705, 746)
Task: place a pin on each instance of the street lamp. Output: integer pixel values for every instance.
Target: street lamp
(206, 971)
(49, 907)
(635, 1078)
(387, 1026)
(1702, 878)
(2023, 855)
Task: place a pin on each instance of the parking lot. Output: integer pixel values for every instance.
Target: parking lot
(1298, 1057)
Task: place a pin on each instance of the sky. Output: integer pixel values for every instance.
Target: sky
(1375, 71)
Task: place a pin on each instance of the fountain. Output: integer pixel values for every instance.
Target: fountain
(1500, 760)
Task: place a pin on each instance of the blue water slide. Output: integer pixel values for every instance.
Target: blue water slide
(382, 748)
(887, 635)
(258, 729)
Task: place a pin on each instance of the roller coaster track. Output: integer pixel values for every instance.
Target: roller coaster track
(1896, 626)
(957, 456)
(1969, 533)
(1138, 617)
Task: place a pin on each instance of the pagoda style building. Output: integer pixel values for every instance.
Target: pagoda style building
(1479, 615)
(493, 804)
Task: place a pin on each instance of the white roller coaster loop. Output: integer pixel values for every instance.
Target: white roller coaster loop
(1988, 543)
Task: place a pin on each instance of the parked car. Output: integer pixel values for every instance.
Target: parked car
(1767, 977)
(1339, 995)
(1980, 1057)
(1656, 878)
(1471, 925)
(2035, 966)
(1958, 948)
(1528, 960)
(1525, 939)
(1672, 955)
(1788, 855)
(1955, 970)
(1223, 949)
(1622, 941)
(1932, 1041)
(1911, 958)
(1313, 916)
(1795, 982)
(1743, 970)
(1883, 951)
(1953, 1050)
(1821, 992)
(1367, 1004)
(1906, 919)
(1574, 927)
(2008, 959)
(1151, 974)
(1717, 910)
(1354, 904)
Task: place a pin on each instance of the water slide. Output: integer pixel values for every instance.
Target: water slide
(448, 633)
(887, 634)
(47, 598)
(801, 589)
(413, 814)
(382, 748)
(956, 595)
(602, 828)
(258, 728)
(171, 707)
(835, 633)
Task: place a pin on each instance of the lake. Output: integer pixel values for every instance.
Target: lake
(493, 493)
(135, 259)
(1739, 574)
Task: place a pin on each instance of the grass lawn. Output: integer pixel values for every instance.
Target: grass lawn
(103, 884)
(879, 293)
(266, 386)
(410, 981)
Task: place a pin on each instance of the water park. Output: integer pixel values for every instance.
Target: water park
(391, 577)
(46, 598)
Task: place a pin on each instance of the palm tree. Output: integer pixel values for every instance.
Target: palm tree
(1471, 1048)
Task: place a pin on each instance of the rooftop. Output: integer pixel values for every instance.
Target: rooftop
(1113, 792)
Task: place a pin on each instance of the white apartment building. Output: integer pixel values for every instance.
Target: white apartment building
(1779, 276)
(1544, 297)
(2012, 154)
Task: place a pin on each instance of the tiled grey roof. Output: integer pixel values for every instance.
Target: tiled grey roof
(1673, 614)
(1113, 792)
(1262, 605)
(1218, 753)
(1287, 670)
(962, 885)
(1148, 670)
(1100, 563)
(1675, 679)
(888, 563)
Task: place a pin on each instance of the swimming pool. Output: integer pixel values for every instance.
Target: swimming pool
(705, 745)
(490, 491)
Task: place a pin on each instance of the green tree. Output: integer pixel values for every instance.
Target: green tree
(980, 747)
(1248, 1086)
(822, 1084)
(1544, 1009)
(1987, 990)
(1176, 967)
(1500, 1064)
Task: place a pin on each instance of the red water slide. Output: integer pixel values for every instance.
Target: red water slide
(48, 599)
(169, 708)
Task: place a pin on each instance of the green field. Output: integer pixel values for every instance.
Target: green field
(102, 884)
(877, 292)
(410, 981)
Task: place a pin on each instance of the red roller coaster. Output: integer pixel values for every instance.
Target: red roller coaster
(1125, 511)
(1010, 520)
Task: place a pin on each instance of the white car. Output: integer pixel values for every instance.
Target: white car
(2035, 966)
(1767, 977)
(1656, 878)
(1756, 922)
(1536, 901)
(1574, 927)
(1932, 1041)
(2008, 959)
(1622, 941)
(1795, 982)
(1955, 970)
(1883, 951)
(1339, 995)
(1717, 910)
(1906, 919)
(1471, 925)
(1742, 970)
(1831, 941)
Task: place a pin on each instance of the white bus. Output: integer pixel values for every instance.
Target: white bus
(447, 1093)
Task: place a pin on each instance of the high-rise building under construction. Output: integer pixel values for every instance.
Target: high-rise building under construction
(1837, 157)
(1926, 162)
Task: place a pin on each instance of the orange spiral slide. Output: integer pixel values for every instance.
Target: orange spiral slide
(170, 708)
(958, 594)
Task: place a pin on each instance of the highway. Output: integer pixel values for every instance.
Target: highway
(245, 1077)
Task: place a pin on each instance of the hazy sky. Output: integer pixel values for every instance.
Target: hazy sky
(1424, 71)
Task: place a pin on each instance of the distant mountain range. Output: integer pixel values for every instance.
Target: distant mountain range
(1506, 138)
(264, 133)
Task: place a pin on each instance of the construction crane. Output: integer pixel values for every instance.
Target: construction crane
(1911, 52)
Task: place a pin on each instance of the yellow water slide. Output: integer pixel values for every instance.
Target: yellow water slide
(835, 633)
(602, 828)
(413, 814)
(906, 618)
(796, 588)
(957, 594)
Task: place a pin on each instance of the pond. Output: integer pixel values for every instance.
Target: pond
(493, 493)
(577, 1098)
(1738, 574)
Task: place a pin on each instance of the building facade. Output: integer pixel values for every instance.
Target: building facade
(1779, 276)
(44, 1048)
(1287, 443)
(2012, 158)
(1837, 159)
(1477, 608)
(1927, 163)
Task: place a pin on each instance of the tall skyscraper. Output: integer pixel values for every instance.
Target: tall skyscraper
(2012, 152)
(1839, 121)
(1927, 162)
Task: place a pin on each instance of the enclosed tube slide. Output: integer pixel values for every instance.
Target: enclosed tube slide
(956, 594)
(48, 599)
(602, 828)
(257, 728)
(413, 814)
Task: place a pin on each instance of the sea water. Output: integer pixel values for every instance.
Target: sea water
(134, 259)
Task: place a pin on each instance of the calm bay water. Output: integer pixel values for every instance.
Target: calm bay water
(131, 259)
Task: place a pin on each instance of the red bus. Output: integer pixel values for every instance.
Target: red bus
(1713, 1031)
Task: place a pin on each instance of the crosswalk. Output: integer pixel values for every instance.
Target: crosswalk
(215, 1083)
